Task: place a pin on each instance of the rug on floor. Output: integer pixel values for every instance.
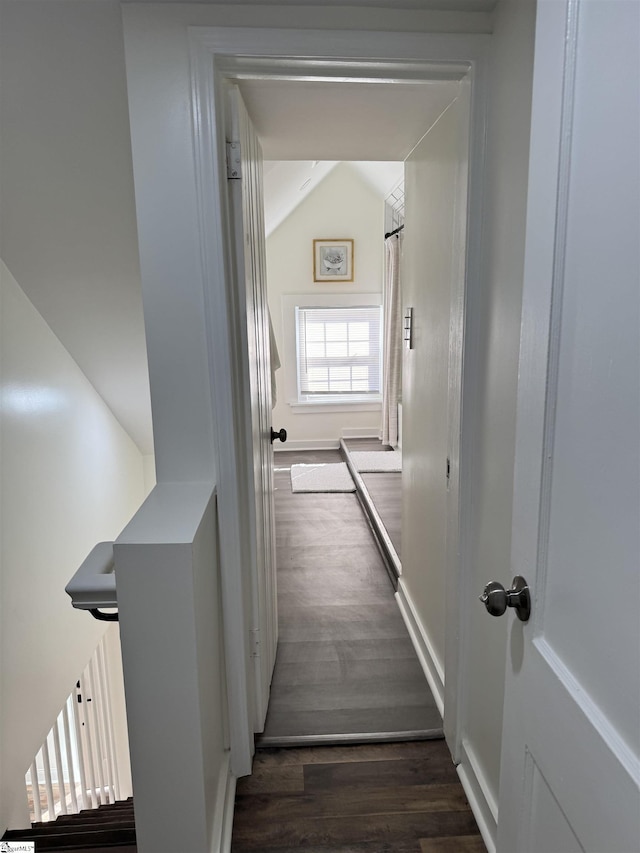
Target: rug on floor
(333, 477)
(373, 461)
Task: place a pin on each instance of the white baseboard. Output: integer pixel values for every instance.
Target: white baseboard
(422, 644)
(225, 802)
(481, 798)
(314, 444)
(360, 432)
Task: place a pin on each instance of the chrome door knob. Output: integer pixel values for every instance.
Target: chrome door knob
(496, 598)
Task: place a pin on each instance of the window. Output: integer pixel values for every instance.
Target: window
(339, 353)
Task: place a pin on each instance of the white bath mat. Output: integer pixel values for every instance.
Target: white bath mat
(372, 461)
(334, 477)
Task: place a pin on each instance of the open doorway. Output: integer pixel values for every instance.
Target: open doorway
(437, 166)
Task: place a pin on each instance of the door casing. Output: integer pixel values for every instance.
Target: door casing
(219, 53)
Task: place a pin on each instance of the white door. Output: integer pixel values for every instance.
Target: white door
(246, 195)
(570, 767)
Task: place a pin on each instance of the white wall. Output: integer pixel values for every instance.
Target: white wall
(504, 221)
(343, 205)
(71, 477)
(429, 276)
(67, 218)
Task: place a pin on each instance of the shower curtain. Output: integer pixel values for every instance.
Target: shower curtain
(392, 353)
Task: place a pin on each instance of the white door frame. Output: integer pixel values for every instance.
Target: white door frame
(216, 53)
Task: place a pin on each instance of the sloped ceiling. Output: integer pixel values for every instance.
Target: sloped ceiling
(68, 226)
(67, 215)
(288, 182)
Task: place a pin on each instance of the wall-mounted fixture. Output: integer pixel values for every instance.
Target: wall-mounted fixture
(407, 328)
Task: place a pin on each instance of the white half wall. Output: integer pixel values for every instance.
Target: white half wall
(343, 205)
(71, 477)
(171, 623)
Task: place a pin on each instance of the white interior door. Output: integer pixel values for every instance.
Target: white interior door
(246, 191)
(570, 767)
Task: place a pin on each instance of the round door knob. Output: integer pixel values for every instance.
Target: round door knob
(496, 598)
(281, 434)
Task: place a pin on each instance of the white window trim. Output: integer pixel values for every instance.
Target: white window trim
(312, 407)
(321, 300)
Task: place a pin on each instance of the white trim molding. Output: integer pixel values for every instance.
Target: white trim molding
(423, 646)
(223, 815)
(315, 407)
(481, 798)
(360, 432)
(312, 444)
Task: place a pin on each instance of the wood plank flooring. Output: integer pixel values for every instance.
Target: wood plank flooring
(345, 666)
(379, 798)
(339, 642)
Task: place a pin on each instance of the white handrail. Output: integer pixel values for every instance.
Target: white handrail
(94, 584)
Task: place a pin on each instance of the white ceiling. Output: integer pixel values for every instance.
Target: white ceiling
(302, 120)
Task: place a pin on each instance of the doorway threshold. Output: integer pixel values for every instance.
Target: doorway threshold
(268, 742)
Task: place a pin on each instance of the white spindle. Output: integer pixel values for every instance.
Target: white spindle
(77, 722)
(104, 708)
(89, 747)
(46, 764)
(62, 794)
(69, 753)
(107, 679)
(96, 740)
(35, 792)
(87, 740)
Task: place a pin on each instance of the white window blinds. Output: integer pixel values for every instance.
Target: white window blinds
(339, 351)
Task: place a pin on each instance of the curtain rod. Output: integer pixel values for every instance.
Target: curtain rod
(391, 233)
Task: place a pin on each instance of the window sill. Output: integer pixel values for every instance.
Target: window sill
(314, 407)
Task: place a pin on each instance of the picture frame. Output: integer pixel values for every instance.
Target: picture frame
(333, 260)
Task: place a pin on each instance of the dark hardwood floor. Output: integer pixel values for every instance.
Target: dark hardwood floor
(346, 668)
(345, 660)
(378, 798)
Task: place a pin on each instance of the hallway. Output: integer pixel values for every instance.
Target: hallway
(345, 673)
(346, 669)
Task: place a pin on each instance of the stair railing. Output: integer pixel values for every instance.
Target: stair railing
(76, 767)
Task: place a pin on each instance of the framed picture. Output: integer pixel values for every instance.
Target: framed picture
(333, 260)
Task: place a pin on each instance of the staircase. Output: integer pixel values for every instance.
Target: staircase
(107, 827)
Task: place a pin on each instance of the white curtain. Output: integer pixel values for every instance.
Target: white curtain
(392, 369)
(275, 361)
